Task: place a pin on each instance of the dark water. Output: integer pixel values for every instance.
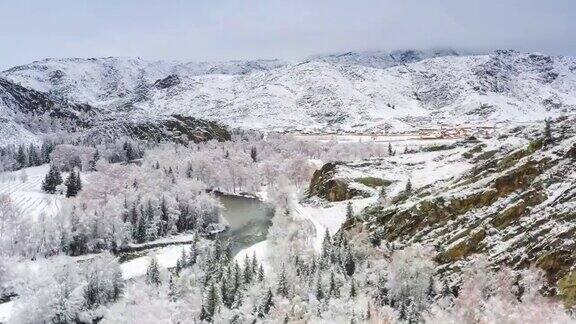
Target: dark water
(249, 220)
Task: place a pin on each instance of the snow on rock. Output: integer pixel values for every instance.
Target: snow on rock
(377, 91)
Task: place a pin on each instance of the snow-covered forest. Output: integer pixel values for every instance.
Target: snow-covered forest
(126, 204)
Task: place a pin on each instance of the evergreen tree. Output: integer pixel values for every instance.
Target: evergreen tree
(193, 254)
(408, 189)
(21, 158)
(129, 151)
(548, 130)
(282, 289)
(334, 288)
(254, 154)
(326, 244)
(382, 195)
(266, 305)
(261, 273)
(153, 272)
(431, 291)
(247, 270)
(73, 184)
(390, 151)
(52, 180)
(141, 229)
(353, 292)
(164, 217)
(349, 210)
(210, 304)
(319, 290)
(225, 296)
(93, 160)
(33, 158)
(182, 262)
(254, 265)
(349, 264)
(45, 151)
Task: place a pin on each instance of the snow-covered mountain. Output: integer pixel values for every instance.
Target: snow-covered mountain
(351, 91)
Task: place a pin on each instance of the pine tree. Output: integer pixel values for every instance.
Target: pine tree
(78, 182)
(254, 265)
(349, 264)
(267, 304)
(349, 210)
(210, 304)
(326, 245)
(225, 296)
(153, 272)
(382, 195)
(353, 292)
(129, 151)
(408, 189)
(247, 270)
(172, 289)
(431, 291)
(254, 154)
(141, 229)
(237, 277)
(193, 254)
(21, 158)
(548, 130)
(261, 273)
(93, 160)
(182, 262)
(390, 151)
(282, 289)
(164, 217)
(52, 180)
(319, 290)
(334, 288)
(73, 184)
(33, 158)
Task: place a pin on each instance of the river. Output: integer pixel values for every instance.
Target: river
(249, 220)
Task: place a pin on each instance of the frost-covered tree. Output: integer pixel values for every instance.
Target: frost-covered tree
(73, 184)
(410, 272)
(282, 288)
(408, 188)
(349, 210)
(153, 272)
(52, 180)
(104, 281)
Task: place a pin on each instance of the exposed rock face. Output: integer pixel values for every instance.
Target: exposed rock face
(26, 114)
(167, 82)
(518, 207)
(325, 186)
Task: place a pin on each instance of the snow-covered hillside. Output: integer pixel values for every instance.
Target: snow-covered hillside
(352, 91)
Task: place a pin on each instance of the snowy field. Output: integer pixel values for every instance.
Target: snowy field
(5, 311)
(24, 187)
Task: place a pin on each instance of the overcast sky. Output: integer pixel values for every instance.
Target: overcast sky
(289, 29)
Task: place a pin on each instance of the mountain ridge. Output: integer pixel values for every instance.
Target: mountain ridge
(354, 92)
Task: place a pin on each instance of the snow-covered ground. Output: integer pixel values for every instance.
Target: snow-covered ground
(330, 217)
(24, 188)
(5, 311)
(167, 258)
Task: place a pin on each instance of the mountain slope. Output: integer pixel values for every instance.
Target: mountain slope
(353, 91)
(26, 115)
(513, 200)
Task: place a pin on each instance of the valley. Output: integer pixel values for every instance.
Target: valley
(369, 187)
